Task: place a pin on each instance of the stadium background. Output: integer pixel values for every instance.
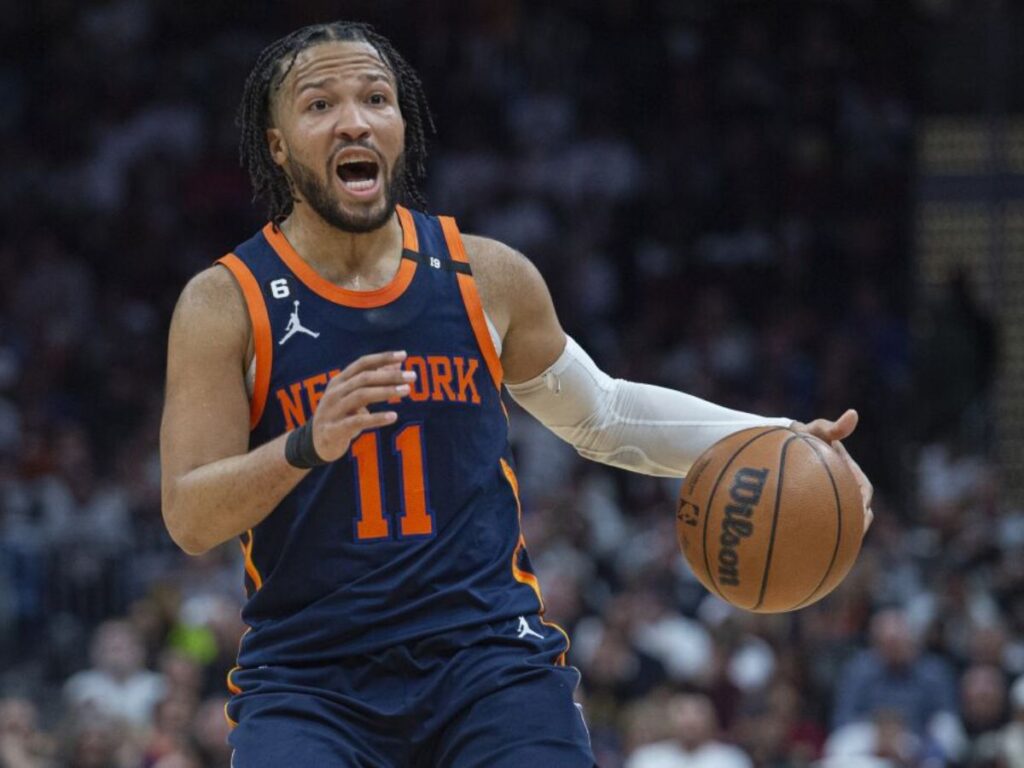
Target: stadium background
(787, 207)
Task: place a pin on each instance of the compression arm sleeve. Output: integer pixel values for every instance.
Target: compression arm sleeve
(639, 427)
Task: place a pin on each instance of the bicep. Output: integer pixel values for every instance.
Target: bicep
(535, 338)
(517, 298)
(206, 408)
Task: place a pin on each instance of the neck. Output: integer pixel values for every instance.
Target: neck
(358, 261)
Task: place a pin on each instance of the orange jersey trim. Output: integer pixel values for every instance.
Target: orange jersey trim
(410, 240)
(335, 293)
(525, 577)
(263, 344)
(250, 566)
(233, 689)
(470, 297)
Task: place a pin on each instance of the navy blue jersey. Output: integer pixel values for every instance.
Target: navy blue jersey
(415, 530)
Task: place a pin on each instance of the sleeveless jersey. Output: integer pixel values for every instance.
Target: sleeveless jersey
(416, 530)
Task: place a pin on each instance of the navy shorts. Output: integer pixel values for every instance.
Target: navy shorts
(484, 697)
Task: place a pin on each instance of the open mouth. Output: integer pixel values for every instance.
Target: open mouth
(358, 175)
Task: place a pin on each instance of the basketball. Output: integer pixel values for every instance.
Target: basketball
(770, 520)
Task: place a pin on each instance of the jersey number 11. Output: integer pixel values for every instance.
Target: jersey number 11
(416, 519)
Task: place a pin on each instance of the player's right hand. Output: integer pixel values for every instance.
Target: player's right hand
(343, 412)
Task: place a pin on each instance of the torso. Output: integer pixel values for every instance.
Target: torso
(417, 529)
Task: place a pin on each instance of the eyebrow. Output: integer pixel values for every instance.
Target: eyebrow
(370, 77)
(313, 84)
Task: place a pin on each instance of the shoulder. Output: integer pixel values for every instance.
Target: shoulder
(211, 309)
(84, 683)
(510, 285)
(496, 262)
(146, 681)
(209, 291)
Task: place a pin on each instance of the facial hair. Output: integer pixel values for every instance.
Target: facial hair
(324, 199)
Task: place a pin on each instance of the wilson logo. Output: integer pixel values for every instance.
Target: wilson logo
(744, 495)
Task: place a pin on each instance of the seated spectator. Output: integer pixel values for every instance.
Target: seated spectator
(895, 677)
(172, 719)
(1005, 748)
(983, 700)
(695, 744)
(682, 645)
(22, 744)
(178, 759)
(775, 729)
(885, 742)
(616, 670)
(210, 731)
(96, 742)
(118, 685)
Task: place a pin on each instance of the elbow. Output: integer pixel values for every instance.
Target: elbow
(190, 545)
(186, 538)
(181, 529)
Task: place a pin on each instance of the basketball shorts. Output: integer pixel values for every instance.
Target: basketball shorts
(483, 697)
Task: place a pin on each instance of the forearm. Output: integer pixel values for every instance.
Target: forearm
(657, 431)
(639, 427)
(215, 502)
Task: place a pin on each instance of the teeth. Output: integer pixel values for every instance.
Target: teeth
(359, 186)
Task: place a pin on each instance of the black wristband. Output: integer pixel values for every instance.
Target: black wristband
(299, 450)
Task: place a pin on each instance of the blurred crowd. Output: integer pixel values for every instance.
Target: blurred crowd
(719, 195)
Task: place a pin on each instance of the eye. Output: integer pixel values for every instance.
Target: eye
(319, 105)
(378, 99)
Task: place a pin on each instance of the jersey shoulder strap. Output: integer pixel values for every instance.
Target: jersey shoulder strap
(441, 241)
(259, 319)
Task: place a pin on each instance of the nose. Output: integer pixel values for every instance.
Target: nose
(352, 124)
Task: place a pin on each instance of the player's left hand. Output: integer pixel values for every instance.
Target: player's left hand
(833, 432)
(830, 431)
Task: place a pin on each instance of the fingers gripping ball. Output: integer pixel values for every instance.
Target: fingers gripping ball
(770, 520)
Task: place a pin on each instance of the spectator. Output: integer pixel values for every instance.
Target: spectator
(95, 741)
(695, 745)
(983, 700)
(885, 741)
(1006, 747)
(117, 685)
(894, 677)
(618, 672)
(22, 745)
(178, 759)
(210, 733)
(169, 735)
(775, 732)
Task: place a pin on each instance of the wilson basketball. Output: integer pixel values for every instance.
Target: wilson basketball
(770, 520)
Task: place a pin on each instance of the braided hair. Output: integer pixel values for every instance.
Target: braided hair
(269, 181)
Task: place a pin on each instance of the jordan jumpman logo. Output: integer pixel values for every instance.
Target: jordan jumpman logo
(524, 629)
(296, 326)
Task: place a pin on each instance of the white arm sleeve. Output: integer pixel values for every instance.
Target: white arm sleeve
(640, 427)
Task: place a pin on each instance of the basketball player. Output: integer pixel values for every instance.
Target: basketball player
(333, 399)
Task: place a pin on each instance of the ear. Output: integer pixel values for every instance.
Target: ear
(277, 146)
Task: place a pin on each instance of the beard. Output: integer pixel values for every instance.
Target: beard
(324, 198)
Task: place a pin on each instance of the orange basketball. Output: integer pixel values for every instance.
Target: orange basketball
(770, 520)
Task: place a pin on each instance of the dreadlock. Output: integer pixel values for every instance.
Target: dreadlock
(273, 65)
